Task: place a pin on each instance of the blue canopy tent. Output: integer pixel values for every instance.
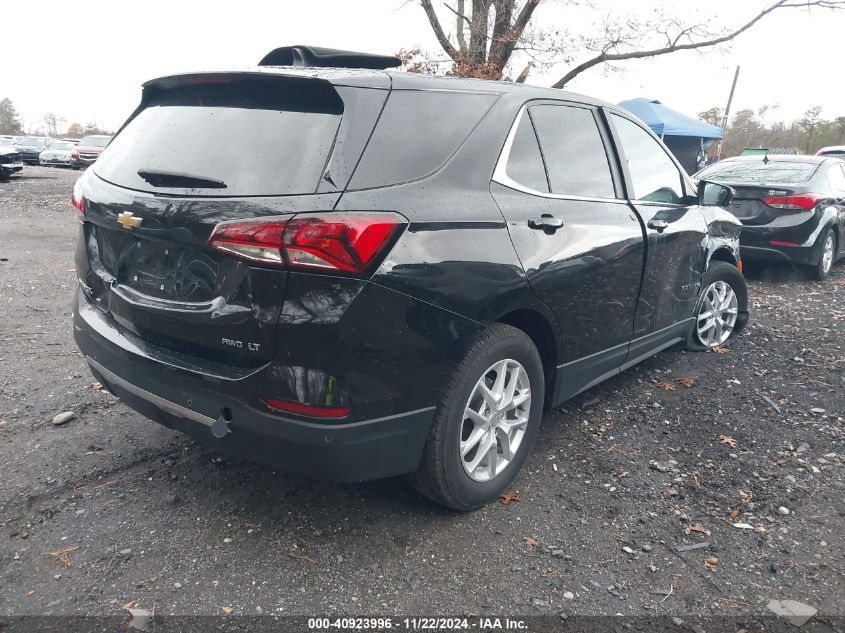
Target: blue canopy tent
(685, 136)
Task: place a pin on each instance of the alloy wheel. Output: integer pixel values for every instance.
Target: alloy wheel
(717, 314)
(495, 419)
(827, 254)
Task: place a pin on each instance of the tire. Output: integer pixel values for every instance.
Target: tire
(443, 474)
(822, 269)
(720, 275)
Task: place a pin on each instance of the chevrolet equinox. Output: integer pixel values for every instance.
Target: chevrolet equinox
(357, 273)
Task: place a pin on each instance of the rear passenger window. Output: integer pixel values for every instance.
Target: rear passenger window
(525, 163)
(576, 160)
(417, 132)
(654, 176)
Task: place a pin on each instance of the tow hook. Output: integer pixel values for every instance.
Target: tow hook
(220, 428)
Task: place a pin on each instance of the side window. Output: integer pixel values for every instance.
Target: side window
(653, 174)
(576, 160)
(836, 176)
(525, 163)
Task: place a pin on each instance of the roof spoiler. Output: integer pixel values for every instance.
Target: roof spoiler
(318, 57)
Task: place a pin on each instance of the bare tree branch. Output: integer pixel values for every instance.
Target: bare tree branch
(502, 48)
(438, 29)
(675, 45)
(460, 21)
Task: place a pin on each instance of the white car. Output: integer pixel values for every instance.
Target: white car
(58, 154)
(837, 151)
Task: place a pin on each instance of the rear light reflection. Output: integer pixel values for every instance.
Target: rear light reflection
(778, 243)
(77, 198)
(341, 242)
(306, 409)
(797, 202)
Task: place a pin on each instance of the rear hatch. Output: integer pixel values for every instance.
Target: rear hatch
(200, 150)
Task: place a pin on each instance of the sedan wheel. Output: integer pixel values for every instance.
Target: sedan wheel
(827, 256)
(717, 314)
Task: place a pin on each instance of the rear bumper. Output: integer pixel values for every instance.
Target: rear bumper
(795, 254)
(82, 162)
(774, 244)
(209, 410)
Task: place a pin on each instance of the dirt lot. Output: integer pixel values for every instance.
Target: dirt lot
(111, 508)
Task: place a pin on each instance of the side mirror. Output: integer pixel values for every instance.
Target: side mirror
(714, 194)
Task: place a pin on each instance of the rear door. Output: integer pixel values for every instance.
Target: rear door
(579, 243)
(200, 151)
(675, 230)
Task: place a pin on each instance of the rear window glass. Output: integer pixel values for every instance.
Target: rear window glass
(257, 138)
(761, 171)
(417, 132)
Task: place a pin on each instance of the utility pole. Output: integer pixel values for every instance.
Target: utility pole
(727, 113)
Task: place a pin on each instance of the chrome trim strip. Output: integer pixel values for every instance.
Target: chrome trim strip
(500, 174)
(165, 405)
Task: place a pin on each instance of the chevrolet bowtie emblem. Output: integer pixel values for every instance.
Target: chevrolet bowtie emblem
(129, 221)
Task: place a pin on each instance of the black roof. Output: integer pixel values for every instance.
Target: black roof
(397, 79)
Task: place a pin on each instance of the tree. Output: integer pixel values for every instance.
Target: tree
(713, 116)
(9, 121)
(93, 128)
(74, 130)
(52, 122)
(498, 28)
(811, 123)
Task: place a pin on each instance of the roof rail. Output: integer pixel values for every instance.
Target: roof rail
(318, 57)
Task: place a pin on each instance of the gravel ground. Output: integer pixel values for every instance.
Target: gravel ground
(111, 508)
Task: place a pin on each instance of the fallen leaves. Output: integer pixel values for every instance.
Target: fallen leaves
(530, 542)
(301, 557)
(686, 382)
(96, 386)
(721, 350)
(727, 439)
(227, 609)
(700, 529)
(666, 386)
(711, 562)
(61, 555)
(508, 497)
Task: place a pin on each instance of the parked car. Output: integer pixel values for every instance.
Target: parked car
(314, 267)
(88, 150)
(10, 161)
(59, 154)
(835, 151)
(75, 141)
(792, 207)
(30, 147)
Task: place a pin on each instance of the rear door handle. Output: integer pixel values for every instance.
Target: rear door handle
(546, 223)
(657, 225)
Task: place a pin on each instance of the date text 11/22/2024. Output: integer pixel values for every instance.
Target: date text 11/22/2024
(417, 624)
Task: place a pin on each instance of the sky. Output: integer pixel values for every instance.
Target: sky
(86, 60)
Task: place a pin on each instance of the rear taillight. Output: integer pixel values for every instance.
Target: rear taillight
(74, 154)
(797, 202)
(342, 242)
(77, 198)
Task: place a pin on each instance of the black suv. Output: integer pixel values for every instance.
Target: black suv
(357, 274)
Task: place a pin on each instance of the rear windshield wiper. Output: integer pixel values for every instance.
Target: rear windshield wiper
(173, 179)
